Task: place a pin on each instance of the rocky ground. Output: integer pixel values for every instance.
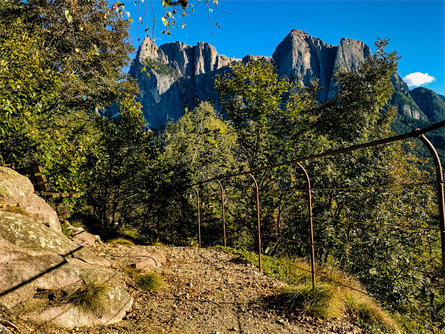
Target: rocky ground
(206, 291)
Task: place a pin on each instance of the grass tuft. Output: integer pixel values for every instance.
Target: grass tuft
(89, 298)
(332, 296)
(149, 281)
(323, 301)
(16, 209)
(122, 241)
(367, 314)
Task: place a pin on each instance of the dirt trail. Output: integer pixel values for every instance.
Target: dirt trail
(207, 291)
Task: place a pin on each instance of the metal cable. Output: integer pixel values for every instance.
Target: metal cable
(377, 224)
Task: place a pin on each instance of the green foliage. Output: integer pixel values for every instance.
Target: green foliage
(119, 169)
(264, 110)
(202, 142)
(274, 122)
(88, 52)
(359, 111)
(26, 87)
(54, 72)
(89, 298)
(193, 149)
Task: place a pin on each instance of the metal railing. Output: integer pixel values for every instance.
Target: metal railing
(417, 133)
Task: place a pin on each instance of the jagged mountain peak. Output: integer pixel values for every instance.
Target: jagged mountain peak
(181, 75)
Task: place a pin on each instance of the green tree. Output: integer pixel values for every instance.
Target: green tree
(270, 115)
(193, 149)
(61, 62)
(119, 169)
(87, 44)
(26, 87)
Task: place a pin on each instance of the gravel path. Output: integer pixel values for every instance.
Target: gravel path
(207, 291)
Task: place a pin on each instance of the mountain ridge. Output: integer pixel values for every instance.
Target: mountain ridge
(175, 76)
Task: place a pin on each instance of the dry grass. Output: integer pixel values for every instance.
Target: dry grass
(149, 281)
(15, 209)
(145, 281)
(89, 298)
(122, 241)
(336, 294)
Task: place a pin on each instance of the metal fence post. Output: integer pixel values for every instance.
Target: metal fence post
(440, 194)
(311, 225)
(223, 213)
(258, 219)
(199, 216)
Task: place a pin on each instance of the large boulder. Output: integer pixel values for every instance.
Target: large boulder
(40, 269)
(17, 190)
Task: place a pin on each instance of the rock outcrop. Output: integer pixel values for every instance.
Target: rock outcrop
(17, 190)
(40, 268)
(175, 76)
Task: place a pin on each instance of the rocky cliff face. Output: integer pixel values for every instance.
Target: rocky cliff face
(303, 58)
(175, 76)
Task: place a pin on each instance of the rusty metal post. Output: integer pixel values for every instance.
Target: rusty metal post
(311, 225)
(258, 219)
(223, 213)
(199, 215)
(440, 194)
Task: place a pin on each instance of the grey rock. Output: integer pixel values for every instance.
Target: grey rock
(303, 58)
(17, 190)
(175, 76)
(35, 258)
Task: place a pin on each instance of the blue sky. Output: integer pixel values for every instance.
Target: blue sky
(416, 28)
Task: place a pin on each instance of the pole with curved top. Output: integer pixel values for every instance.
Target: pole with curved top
(440, 195)
(199, 215)
(311, 225)
(257, 219)
(223, 212)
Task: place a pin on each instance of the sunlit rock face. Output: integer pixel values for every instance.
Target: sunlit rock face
(303, 58)
(176, 76)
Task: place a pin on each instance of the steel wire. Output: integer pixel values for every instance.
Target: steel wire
(386, 186)
(378, 224)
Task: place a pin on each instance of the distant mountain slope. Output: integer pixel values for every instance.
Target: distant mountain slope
(176, 76)
(430, 103)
